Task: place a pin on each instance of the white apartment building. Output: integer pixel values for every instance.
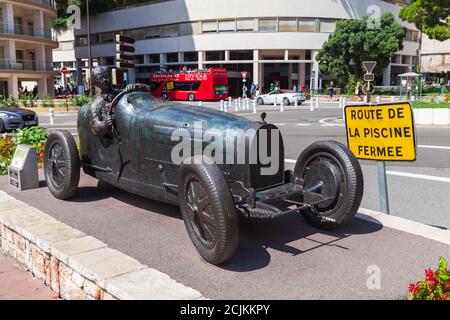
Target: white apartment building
(26, 44)
(273, 40)
(435, 62)
(64, 58)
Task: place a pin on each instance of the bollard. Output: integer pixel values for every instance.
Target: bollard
(378, 100)
(365, 99)
(51, 114)
(221, 105)
(254, 106)
(392, 99)
(296, 103)
(230, 101)
(281, 106)
(247, 104)
(340, 102)
(200, 103)
(344, 104)
(225, 106)
(239, 103)
(275, 102)
(236, 106)
(317, 102)
(312, 101)
(413, 98)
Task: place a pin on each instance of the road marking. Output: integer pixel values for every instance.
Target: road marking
(434, 147)
(280, 124)
(303, 124)
(290, 161)
(418, 176)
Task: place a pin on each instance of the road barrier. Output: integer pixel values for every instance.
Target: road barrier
(254, 106)
(51, 115)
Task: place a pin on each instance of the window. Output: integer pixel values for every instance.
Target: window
(241, 55)
(327, 26)
(187, 29)
(139, 59)
(209, 26)
(109, 61)
(191, 56)
(306, 25)
(153, 58)
(107, 37)
(215, 55)
(227, 26)
(82, 41)
(288, 25)
(151, 33)
(172, 57)
(169, 31)
(245, 25)
(268, 25)
(186, 86)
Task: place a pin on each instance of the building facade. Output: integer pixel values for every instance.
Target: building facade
(435, 62)
(64, 62)
(26, 44)
(271, 40)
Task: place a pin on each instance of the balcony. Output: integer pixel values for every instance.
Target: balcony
(50, 3)
(30, 31)
(25, 65)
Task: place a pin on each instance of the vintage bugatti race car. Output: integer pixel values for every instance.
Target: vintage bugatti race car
(137, 156)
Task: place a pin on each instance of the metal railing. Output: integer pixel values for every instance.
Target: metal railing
(25, 65)
(27, 30)
(50, 3)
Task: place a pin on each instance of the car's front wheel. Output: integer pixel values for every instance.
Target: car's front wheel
(330, 169)
(260, 101)
(208, 210)
(286, 101)
(2, 126)
(191, 97)
(62, 165)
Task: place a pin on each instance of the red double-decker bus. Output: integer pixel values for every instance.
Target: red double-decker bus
(199, 85)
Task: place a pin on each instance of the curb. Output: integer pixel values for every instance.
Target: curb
(77, 266)
(405, 225)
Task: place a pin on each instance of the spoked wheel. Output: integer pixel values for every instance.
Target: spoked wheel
(62, 165)
(208, 211)
(330, 169)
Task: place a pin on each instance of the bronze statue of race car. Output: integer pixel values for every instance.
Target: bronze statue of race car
(134, 151)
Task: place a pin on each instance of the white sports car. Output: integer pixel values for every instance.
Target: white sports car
(285, 97)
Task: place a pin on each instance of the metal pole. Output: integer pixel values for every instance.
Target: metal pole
(383, 187)
(88, 22)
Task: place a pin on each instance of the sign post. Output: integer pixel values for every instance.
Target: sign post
(369, 77)
(381, 132)
(124, 58)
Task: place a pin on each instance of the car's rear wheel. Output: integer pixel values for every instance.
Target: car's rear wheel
(2, 126)
(260, 101)
(208, 211)
(164, 96)
(286, 101)
(191, 97)
(62, 165)
(330, 169)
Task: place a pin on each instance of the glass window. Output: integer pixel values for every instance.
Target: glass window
(268, 25)
(306, 25)
(139, 59)
(215, 55)
(187, 29)
(241, 55)
(209, 26)
(227, 26)
(107, 37)
(151, 33)
(172, 57)
(245, 25)
(191, 56)
(327, 26)
(153, 58)
(288, 25)
(169, 31)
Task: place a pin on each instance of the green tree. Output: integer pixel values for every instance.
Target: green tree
(355, 41)
(95, 7)
(429, 16)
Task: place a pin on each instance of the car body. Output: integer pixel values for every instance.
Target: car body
(16, 118)
(138, 157)
(281, 96)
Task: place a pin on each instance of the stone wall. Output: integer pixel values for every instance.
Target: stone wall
(75, 265)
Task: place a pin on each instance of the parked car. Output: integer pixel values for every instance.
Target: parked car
(282, 96)
(326, 186)
(16, 118)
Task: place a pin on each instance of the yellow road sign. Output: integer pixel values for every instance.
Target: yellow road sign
(170, 86)
(383, 132)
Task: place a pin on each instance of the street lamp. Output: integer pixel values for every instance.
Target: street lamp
(88, 22)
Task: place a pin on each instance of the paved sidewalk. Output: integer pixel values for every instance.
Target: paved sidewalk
(16, 284)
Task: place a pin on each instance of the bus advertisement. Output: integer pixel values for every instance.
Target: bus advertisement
(199, 85)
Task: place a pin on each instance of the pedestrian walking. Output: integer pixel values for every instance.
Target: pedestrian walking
(244, 91)
(272, 88)
(359, 91)
(331, 90)
(253, 90)
(294, 88)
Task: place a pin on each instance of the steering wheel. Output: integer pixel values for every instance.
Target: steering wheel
(133, 88)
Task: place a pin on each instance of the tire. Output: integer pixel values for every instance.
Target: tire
(286, 102)
(260, 101)
(191, 97)
(2, 126)
(331, 169)
(62, 165)
(215, 233)
(164, 96)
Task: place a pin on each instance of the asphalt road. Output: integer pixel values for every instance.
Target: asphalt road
(417, 190)
(278, 259)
